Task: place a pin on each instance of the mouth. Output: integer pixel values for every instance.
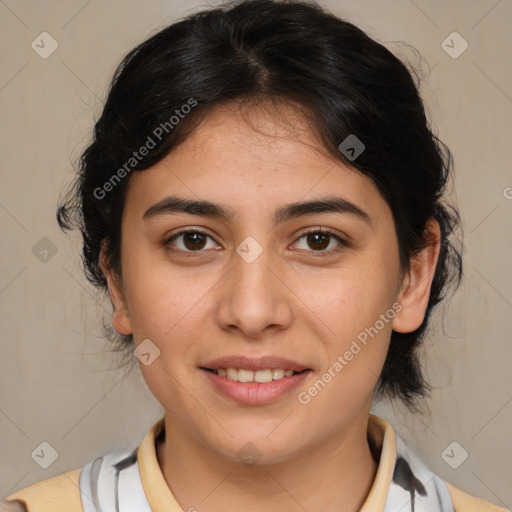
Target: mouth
(247, 375)
(254, 381)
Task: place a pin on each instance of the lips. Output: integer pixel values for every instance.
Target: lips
(255, 393)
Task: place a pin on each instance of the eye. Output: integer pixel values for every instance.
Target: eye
(192, 240)
(319, 240)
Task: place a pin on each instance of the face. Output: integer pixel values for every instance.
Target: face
(254, 277)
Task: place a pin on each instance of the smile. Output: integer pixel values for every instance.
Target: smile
(243, 375)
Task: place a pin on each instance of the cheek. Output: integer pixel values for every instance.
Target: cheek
(164, 307)
(358, 313)
(350, 299)
(161, 298)
(351, 311)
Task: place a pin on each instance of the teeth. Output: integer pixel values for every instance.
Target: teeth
(231, 373)
(277, 374)
(242, 375)
(245, 375)
(263, 376)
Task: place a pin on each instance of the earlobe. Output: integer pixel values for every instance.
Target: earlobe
(120, 319)
(121, 323)
(415, 291)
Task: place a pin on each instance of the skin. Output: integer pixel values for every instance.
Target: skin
(285, 303)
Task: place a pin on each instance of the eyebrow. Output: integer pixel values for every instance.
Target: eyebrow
(174, 204)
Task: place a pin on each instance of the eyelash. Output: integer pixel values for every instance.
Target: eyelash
(314, 254)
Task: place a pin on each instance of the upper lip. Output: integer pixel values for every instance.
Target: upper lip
(254, 363)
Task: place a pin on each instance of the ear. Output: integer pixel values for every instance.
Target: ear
(415, 289)
(120, 319)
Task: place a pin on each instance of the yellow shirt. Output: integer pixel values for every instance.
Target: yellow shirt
(63, 493)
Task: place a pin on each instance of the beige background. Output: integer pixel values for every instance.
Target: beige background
(58, 381)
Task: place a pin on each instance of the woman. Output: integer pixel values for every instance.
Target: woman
(263, 202)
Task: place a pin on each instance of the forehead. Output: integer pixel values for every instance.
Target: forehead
(252, 157)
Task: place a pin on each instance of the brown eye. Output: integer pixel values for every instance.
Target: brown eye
(189, 241)
(318, 241)
(321, 241)
(194, 240)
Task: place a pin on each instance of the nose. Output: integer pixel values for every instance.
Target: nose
(254, 298)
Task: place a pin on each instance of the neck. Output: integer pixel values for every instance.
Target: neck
(334, 476)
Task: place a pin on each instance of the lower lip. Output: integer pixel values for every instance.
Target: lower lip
(255, 393)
